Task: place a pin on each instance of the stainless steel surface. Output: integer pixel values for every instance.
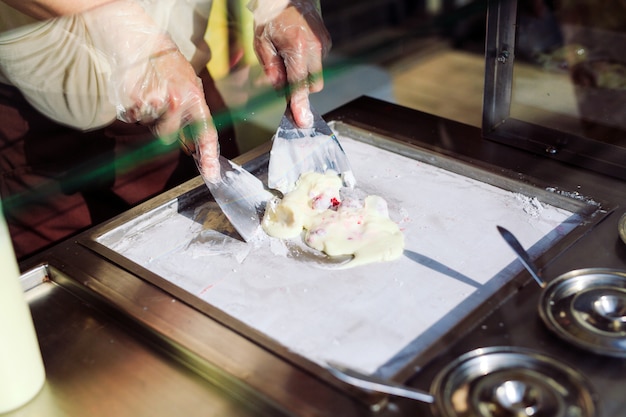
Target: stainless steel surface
(503, 381)
(99, 364)
(588, 309)
(77, 338)
(514, 321)
(371, 383)
(178, 220)
(241, 196)
(296, 151)
(523, 256)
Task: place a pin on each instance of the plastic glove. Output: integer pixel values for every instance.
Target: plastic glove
(290, 41)
(151, 82)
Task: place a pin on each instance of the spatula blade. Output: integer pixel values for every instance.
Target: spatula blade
(296, 151)
(241, 196)
(376, 384)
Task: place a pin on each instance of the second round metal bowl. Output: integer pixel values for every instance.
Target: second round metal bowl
(511, 382)
(587, 308)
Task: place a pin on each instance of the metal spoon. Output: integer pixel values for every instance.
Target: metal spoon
(371, 383)
(522, 255)
(300, 251)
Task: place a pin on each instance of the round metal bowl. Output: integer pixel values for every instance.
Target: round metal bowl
(587, 308)
(515, 382)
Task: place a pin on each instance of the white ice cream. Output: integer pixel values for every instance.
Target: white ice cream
(333, 226)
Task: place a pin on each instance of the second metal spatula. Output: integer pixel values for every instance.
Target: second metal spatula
(240, 195)
(296, 151)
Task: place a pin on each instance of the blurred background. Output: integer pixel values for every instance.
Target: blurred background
(422, 54)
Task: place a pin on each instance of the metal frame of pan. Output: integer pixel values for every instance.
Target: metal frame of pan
(591, 211)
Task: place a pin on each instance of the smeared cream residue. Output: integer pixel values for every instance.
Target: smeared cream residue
(335, 227)
(531, 205)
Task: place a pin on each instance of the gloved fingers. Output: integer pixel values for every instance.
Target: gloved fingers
(297, 52)
(300, 107)
(316, 75)
(168, 95)
(290, 48)
(271, 62)
(207, 154)
(143, 95)
(203, 141)
(288, 70)
(190, 123)
(313, 46)
(143, 110)
(197, 138)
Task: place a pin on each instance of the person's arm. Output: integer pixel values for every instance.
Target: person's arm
(48, 9)
(290, 41)
(150, 82)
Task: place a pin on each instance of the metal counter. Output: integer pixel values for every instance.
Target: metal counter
(99, 364)
(114, 342)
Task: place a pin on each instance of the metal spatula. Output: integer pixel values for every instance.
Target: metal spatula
(372, 383)
(241, 196)
(296, 151)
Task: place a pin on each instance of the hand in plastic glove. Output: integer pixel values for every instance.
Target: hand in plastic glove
(290, 44)
(151, 81)
(168, 96)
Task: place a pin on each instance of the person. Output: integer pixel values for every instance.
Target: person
(95, 94)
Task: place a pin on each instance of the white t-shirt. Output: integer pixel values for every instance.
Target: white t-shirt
(64, 78)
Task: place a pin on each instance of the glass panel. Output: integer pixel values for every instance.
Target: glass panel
(570, 67)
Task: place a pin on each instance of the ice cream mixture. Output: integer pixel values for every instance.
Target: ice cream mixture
(335, 226)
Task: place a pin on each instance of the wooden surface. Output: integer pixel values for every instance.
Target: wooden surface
(444, 82)
(422, 74)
